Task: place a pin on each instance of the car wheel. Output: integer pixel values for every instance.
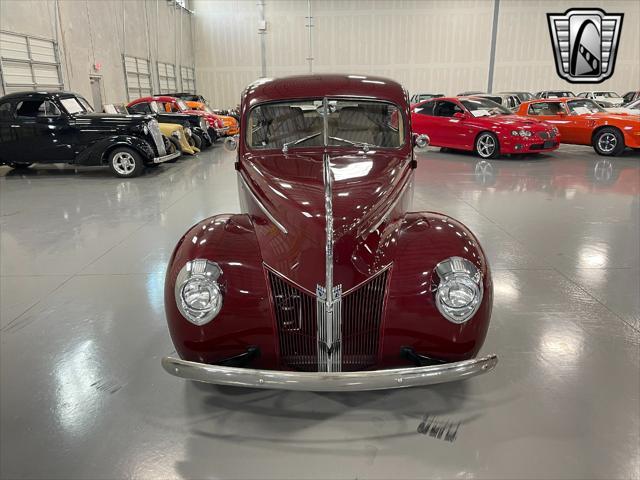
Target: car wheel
(19, 166)
(171, 149)
(196, 140)
(125, 162)
(608, 142)
(487, 145)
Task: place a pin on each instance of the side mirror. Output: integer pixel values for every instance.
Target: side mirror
(421, 141)
(562, 113)
(230, 143)
(459, 115)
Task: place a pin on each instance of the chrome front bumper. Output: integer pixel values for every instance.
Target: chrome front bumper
(166, 158)
(329, 382)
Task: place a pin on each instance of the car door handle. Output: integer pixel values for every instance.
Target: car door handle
(15, 126)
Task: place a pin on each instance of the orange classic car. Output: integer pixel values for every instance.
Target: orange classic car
(582, 121)
(229, 122)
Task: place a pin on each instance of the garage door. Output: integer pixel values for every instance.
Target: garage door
(29, 63)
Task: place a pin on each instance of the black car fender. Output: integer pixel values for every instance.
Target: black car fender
(98, 152)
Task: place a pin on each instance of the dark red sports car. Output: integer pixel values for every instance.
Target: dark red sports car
(327, 281)
(481, 125)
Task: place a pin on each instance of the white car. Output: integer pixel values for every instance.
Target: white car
(632, 108)
(607, 98)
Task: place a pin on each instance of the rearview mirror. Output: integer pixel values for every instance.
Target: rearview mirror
(421, 141)
(230, 143)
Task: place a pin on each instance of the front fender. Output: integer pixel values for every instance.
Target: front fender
(418, 242)
(245, 318)
(96, 153)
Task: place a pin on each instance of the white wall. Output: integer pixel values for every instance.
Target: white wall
(101, 31)
(441, 46)
(524, 59)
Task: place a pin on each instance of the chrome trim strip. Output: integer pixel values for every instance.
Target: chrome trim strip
(261, 205)
(166, 158)
(329, 381)
(329, 298)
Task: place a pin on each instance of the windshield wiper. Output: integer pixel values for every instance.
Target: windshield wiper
(365, 146)
(285, 147)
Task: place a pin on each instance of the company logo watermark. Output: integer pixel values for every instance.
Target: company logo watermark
(585, 43)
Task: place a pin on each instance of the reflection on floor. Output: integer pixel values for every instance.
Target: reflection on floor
(82, 332)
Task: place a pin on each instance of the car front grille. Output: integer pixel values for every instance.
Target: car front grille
(543, 135)
(296, 319)
(154, 128)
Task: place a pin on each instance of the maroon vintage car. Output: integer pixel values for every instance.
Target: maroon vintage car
(327, 281)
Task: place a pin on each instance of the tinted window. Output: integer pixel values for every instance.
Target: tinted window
(629, 96)
(5, 111)
(37, 108)
(425, 108)
(140, 108)
(446, 109)
(483, 107)
(546, 108)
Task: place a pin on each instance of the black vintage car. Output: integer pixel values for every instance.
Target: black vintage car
(196, 123)
(61, 127)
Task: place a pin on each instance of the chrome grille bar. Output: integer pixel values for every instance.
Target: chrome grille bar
(154, 128)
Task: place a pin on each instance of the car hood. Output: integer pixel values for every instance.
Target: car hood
(291, 188)
(515, 121)
(614, 117)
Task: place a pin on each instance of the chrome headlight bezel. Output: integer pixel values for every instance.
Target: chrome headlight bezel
(203, 124)
(145, 129)
(465, 277)
(199, 273)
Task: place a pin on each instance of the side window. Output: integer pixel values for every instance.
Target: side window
(545, 108)
(140, 108)
(37, 108)
(5, 112)
(446, 109)
(171, 107)
(425, 109)
(628, 97)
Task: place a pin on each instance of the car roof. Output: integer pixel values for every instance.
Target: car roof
(38, 94)
(323, 85)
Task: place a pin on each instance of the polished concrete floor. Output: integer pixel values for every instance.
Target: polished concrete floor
(83, 395)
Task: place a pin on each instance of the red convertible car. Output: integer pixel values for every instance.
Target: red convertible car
(327, 281)
(481, 125)
(177, 105)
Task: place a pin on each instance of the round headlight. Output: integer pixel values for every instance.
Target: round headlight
(458, 293)
(515, 133)
(525, 133)
(197, 292)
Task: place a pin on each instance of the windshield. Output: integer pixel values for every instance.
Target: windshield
(301, 124)
(607, 94)
(75, 105)
(560, 94)
(634, 105)
(182, 105)
(583, 106)
(483, 107)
